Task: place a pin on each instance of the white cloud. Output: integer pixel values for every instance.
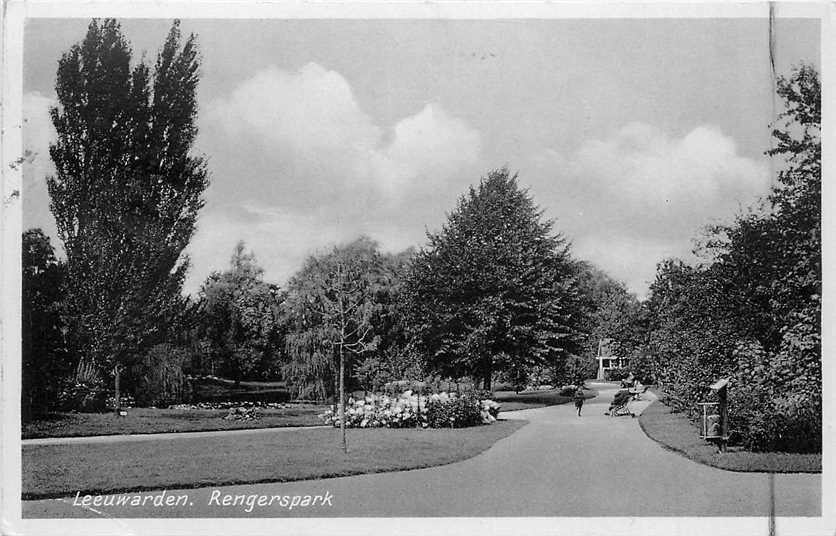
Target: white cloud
(630, 259)
(310, 116)
(297, 165)
(309, 129)
(428, 148)
(641, 194)
(280, 240)
(37, 134)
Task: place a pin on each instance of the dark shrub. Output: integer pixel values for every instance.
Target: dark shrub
(438, 414)
(790, 423)
(456, 412)
(88, 397)
(617, 374)
(159, 379)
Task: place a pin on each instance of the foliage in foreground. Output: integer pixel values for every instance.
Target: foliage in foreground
(751, 312)
(675, 432)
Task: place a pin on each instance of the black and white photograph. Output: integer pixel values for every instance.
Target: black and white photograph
(417, 268)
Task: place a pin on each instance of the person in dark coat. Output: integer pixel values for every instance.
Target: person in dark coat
(579, 398)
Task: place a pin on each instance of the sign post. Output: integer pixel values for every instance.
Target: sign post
(721, 389)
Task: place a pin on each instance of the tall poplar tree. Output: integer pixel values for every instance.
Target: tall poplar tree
(495, 290)
(126, 190)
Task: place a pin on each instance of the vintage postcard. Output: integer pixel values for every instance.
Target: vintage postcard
(417, 268)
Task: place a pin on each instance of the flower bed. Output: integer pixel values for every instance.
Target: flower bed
(231, 404)
(440, 410)
(242, 414)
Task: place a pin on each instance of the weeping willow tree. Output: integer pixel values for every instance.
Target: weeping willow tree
(331, 304)
(311, 369)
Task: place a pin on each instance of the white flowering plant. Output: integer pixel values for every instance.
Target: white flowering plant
(411, 410)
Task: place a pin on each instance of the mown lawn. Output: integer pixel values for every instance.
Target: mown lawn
(153, 421)
(511, 401)
(60, 470)
(675, 432)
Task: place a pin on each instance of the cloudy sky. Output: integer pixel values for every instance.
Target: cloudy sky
(631, 134)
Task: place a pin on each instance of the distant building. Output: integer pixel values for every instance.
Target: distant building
(607, 360)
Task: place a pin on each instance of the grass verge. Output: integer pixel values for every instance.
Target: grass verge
(675, 432)
(511, 401)
(156, 421)
(61, 470)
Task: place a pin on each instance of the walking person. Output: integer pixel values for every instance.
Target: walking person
(579, 398)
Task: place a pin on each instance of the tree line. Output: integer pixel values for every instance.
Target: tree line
(750, 310)
(494, 295)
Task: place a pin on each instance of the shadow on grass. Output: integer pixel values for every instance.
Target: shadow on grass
(676, 433)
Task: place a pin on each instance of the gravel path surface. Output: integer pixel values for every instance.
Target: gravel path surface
(558, 465)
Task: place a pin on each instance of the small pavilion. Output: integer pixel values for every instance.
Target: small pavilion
(607, 360)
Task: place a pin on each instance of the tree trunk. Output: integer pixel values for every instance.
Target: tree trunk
(486, 381)
(342, 398)
(340, 275)
(336, 393)
(117, 403)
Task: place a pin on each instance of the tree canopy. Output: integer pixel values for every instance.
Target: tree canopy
(330, 305)
(240, 319)
(494, 289)
(126, 190)
(45, 360)
(751, 311)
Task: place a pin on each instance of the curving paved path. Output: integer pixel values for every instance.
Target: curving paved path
(557, 465)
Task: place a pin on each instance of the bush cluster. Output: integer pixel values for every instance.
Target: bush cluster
(125, 401)
(243, 414)
(82, 396)
(228, 405)
(441, 410)
(616, 374)
(158, 377)
(455, 412)
(750, 311)
(776, 402)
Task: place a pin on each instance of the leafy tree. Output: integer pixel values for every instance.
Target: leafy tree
(351, 272)
(394, 358)
(495, 289)
(45, 360)
(126, 190)
(610, 313)
(241, 319)
(751, 311)
(332, 303)
(159, 376)
(692, 335)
